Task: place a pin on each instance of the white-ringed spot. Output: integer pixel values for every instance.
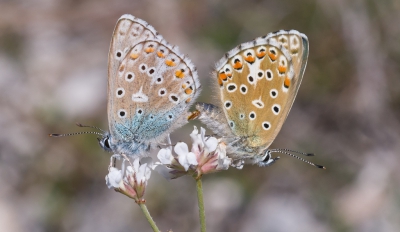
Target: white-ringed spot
(231, 87)
(250, 79)
(282, 67)
(170, 117)
(139, 111)
(266, 125)
(174, 98)
(151, 71)
(273, 93)
(120, 92)
(129, 76)
(276, 108)
(118, 55)
(159, 80)
(142, 68)
(228, 105)
(269, 75)
(121, 113)
(162, 92)
(241, 116)
(252, 115)
(231, 124)
(243, 89)
(260, 74)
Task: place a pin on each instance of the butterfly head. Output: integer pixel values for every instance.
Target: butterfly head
(105, 142)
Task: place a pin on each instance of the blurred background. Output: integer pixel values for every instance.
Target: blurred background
(53, 73)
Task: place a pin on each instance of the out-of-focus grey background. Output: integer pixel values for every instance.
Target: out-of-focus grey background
(53, 73)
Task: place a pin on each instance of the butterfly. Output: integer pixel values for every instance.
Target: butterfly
(257, 83)
(151, 85)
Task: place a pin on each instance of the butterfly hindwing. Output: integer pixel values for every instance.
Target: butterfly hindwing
(257, 83)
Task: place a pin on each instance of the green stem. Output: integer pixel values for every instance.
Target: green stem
(148, 216)
(200, 200)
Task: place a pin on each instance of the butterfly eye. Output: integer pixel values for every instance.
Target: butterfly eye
(107, 143)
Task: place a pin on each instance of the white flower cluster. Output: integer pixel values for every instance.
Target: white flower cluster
(207, 155)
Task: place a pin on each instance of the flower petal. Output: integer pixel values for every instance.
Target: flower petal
(191, 158)
(165, 156)
(114, 178)
(181, 149)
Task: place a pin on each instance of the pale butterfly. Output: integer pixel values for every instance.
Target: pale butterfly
(257, 83)
(151, 86)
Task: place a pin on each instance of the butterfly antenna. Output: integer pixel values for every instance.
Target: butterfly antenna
(94, 127)
(293, 151)
(77, 133)
(283, 151)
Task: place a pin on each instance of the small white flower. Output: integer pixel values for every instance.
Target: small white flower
(114, 178)
(134, 182)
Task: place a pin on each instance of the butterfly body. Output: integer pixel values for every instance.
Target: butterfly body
(257, 84)
(151, 85)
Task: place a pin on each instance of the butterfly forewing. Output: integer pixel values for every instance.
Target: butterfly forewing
(151, 85)
(258, 83)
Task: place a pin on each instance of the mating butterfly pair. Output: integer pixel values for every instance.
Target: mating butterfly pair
(151, 86)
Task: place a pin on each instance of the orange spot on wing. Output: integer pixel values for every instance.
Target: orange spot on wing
(219, 80)
(184, 86)
(170, 63)
(286, 83)
(238, 65)
(281, 69)
(178, 73)
(160, 54)
(249, 59)
(188, 91)
(121, 68)
(223, 76)
(228, 74)
(149, 49)
(134, 56)
(188, 100)
(272, 56)
(261, 54)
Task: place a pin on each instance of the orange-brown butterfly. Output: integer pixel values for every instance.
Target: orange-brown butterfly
(257, 83)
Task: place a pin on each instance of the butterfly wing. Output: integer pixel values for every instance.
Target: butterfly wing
(150, 87)
(258, 82)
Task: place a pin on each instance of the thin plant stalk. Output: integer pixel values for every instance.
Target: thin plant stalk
(148, 216)
(200, 200)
